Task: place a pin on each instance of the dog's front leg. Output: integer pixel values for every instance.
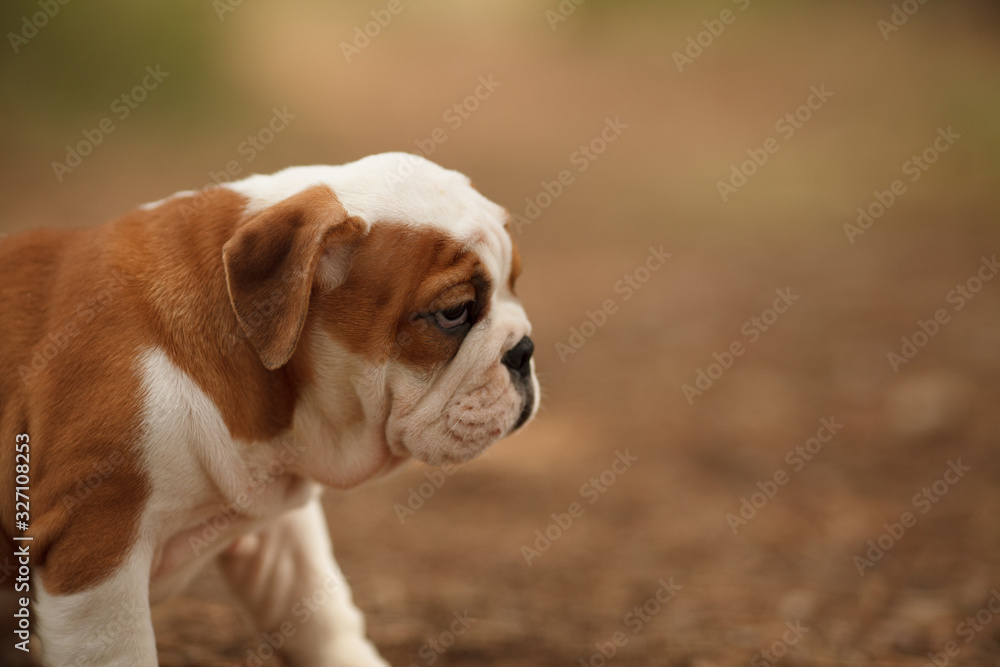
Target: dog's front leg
(300, 601)
(108, 624)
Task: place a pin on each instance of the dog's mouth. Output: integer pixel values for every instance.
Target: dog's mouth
(528, 393)
(479, 419)
(466, 427)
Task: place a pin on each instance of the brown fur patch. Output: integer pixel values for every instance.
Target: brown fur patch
(67, 346)
(271, 262)
(399, 276)
(175, 251)
(515, 256)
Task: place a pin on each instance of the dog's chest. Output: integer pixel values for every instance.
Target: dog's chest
(207, 488)
(211, 529)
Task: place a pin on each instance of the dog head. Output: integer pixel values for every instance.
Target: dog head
(389, 283)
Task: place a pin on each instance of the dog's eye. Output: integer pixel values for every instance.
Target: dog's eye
(452, 317)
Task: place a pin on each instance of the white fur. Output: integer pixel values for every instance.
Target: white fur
(197, 472)
(154, 204)
(388, 187)
(109, 624)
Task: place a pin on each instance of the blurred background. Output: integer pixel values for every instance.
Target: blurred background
(740, 138)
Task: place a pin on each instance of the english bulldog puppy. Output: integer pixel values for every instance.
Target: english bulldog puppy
(182, 382)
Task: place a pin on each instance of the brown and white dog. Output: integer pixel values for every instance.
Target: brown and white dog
(191, 375)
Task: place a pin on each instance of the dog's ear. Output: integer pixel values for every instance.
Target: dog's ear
(274, 259)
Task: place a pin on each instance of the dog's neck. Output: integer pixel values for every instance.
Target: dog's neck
(340, 417)
(322, 410)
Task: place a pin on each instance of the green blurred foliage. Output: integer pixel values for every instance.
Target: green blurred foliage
(86, 54)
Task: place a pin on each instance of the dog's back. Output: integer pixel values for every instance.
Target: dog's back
(28, 272)
(55, 332)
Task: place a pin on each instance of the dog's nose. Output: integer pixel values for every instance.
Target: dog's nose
(518, 358)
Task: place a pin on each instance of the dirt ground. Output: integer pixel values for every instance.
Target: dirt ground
(665, 517)
(808, 500)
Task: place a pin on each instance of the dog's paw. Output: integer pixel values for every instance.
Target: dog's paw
(346, 651)
(355, 652)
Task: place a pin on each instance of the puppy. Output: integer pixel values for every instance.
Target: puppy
(178, 385)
